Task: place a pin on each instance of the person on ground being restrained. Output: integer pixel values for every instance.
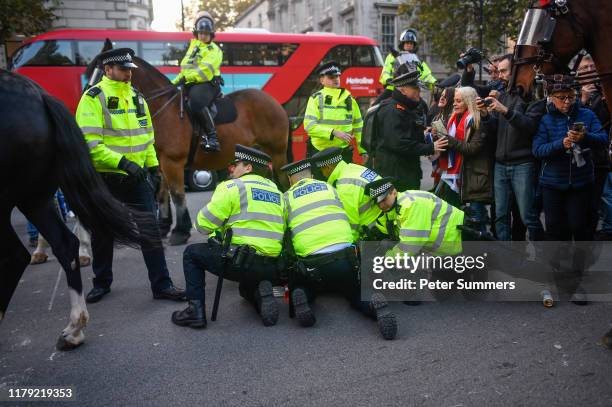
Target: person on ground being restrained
(251, 205)
(321, 241)
(201, 75)
(401, 126)
(116, 123)
(332, 117)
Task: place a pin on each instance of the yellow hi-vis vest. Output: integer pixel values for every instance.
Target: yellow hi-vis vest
(425, 74)
(428, 224)
(315, 217)
(108, 115)
(253, 207)
(350, 181)
(201, 62)
(332, 109)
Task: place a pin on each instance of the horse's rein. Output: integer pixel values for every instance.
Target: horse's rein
(163, 92)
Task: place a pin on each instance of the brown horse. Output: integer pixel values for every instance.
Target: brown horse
(554, 32)
(261, 120)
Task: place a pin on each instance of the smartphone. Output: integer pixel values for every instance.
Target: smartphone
(578, 126)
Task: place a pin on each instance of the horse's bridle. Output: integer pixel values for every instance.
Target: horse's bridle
(164, 91)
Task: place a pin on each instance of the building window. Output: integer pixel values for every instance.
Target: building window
(387, 40)
(348, 27)
(260, 19)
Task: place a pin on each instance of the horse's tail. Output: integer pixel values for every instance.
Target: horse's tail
(289, 143)
(85, 190)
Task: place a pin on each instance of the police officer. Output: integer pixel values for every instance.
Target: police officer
(251, 206)
(321, 240)
(117, 125)
(332, 117)
(350, 180)
(423, 221)
(200, 72)
(408, 46)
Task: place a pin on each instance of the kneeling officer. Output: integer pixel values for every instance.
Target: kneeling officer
(252, 207)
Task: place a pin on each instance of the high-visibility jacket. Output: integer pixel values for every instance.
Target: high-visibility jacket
(425, 74)
(253, 207)
(201, 62)
(350, 181)
(315, 217)
(427, 223)
(332, 109)
(116, 122)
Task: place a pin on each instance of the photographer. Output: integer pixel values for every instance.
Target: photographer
(564, 141)
(473, 56)
(512, 123)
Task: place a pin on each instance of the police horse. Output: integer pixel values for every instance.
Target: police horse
(552, 34)
(247, 117)
(43, 149)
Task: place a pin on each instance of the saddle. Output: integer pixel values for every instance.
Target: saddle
(222, 109)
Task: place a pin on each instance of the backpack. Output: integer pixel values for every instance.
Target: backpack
(369, 136)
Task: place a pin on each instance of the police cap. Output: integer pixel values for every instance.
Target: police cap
(379, 189)
(330, 68)
(119, 56)
(296, 167)
(329, 156)
(251, 155)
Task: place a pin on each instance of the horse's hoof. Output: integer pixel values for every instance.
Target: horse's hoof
(63, 345)
(607, 340)
(38, 258)
(84, 261)
(178, 238)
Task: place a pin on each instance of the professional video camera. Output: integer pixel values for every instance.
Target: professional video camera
(471, 56)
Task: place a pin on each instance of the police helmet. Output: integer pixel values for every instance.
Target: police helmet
(408, 35)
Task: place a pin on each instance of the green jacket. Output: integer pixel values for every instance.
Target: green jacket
(201, 62)
(116, 122)
(426, 76)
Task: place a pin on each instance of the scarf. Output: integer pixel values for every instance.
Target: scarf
(449, 164)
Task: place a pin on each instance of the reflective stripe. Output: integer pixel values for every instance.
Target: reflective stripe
(244, 202)
(403, 198)
(130, 149)
(108, 121)
(351, 181)
(203, 230)
(319, 220)
(321, 104)
(360, 120)
(212, 218)
(210, 68)
(257, 183)
(266, 234)
(415, 233)
(335, 107)
(93, 143)
(414, 248)
(257, 216)
(311, 206)
(443, 224)
(309, 117)
(364, 208)
(116, 133)
(335, 122)
(311, 125)
(357, 129)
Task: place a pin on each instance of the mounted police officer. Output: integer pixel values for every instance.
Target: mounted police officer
(332, 117)
(251, 206)
(321, 239)
(117, 125)
(366, 219)
(408, 47)
(200, 73)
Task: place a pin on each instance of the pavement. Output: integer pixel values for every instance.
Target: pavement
(446, 354)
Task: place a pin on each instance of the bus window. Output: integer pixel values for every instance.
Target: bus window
(257, 54)
(341, 54)
(44, 53)
(126, 44)
(163, 53)
(363, 56)
(86, 51)
(226, 47)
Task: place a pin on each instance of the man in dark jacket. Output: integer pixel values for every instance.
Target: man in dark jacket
(513, 122)
(496, 83)
(401, 125)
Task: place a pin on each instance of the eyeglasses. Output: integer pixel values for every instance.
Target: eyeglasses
(565, 99)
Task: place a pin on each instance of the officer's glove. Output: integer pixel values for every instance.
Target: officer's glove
(132, 169)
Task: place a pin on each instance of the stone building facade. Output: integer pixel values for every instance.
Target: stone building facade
(109, 14)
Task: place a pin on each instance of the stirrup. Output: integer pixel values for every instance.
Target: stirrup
(206, 145)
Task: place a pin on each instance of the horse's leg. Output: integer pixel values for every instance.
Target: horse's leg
(14, 258)
(65, 246)
(165, 211)
(175, 176)
(39, 255)
(84, 245)
(278, 160)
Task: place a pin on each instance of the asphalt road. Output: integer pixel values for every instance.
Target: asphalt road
(446, 354)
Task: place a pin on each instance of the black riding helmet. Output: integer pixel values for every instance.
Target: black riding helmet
(204, 24)
(408, 35)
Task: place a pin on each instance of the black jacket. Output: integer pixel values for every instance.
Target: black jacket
(513, 132)
(401, 144)
(598, 105)
(467, 79)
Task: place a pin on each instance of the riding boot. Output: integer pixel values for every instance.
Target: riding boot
(209, 140)
(193, 316)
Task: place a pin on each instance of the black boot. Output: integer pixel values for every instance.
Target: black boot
(387, 322)
(194, 315)
(266, 303)
(209, 140)
(303, 312)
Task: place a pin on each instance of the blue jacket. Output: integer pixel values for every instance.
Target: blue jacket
(559, 168)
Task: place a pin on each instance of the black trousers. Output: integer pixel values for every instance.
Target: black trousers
(568, 213)
(337, 277)
(137, 195)
(347, 153)
(202, 95)
(201, 257)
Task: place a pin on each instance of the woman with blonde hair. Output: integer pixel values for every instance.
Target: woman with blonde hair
(465, 169)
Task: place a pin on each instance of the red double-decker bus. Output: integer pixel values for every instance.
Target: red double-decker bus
(282, 65)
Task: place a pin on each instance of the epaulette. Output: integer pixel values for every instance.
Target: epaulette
(394, 52)
(93, 91)
(315, 94)
(210, 47)
(137, 92)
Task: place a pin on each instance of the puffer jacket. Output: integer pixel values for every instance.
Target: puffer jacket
(559, 168)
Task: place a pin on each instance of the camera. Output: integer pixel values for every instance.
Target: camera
(487, 102)
(471, 56)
